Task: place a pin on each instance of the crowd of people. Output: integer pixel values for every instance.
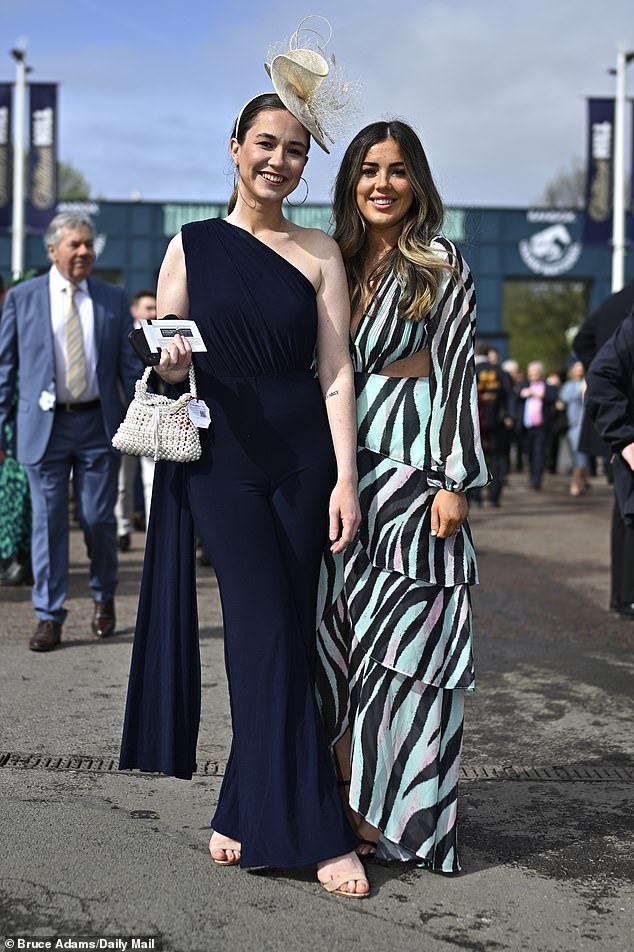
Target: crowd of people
(527, 417)
(351, 423)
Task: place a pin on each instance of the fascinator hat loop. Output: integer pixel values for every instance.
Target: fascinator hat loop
(297, 75)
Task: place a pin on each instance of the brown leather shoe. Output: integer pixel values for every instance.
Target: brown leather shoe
(103, 620)
(46, 636)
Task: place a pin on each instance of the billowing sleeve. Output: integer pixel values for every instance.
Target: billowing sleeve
(457, 458)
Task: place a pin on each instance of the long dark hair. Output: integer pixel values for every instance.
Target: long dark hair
(419, 270)
(245, 120)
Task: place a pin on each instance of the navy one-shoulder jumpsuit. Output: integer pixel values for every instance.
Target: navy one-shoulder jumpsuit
(259, 500)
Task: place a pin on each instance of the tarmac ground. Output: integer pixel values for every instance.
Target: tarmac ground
(546, 808)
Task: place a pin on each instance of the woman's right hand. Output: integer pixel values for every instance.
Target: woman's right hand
(345, 514)
(175, 360)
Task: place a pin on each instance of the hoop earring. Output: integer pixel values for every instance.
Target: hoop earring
(243, 199)
(236, 188)
(297, 204)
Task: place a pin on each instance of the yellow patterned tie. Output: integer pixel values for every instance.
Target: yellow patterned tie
(74, 340)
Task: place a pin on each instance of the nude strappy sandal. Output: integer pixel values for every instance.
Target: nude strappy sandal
(225, 845)
(334, 886)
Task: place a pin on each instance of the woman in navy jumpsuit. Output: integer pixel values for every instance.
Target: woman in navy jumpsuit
(265, 295)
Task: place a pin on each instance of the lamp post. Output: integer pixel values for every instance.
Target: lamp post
(17, 233)
(618, 195)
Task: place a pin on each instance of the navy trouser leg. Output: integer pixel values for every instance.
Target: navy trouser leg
(48, 484)
(536, 453)
(77, 442)
(497, 467)
(279, 797)
(96, 470)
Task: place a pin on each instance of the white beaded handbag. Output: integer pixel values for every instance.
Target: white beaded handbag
(158, 426)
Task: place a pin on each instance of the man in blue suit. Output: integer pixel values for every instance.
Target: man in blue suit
(63, 342)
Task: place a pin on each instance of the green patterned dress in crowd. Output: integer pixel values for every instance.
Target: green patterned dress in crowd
(15, 506)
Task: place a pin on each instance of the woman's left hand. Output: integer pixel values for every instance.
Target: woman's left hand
(448, 512)
(345, 515)
(176, 357)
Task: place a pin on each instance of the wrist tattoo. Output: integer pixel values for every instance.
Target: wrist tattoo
(331, 393)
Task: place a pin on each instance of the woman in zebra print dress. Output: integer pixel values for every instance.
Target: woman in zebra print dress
(394, 615)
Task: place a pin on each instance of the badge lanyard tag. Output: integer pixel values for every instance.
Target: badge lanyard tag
(199, 413)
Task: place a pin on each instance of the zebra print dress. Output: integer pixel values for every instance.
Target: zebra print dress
(394, 615)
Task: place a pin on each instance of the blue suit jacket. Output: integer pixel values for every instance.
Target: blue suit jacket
(27, 360)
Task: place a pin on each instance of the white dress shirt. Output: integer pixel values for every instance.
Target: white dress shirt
(59, 295)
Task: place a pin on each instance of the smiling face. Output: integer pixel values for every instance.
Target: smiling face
(384, 193)
(74, 255)
(272, 156)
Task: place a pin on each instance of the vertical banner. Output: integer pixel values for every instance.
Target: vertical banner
(600, 171)
(6, 199)
(42, 187)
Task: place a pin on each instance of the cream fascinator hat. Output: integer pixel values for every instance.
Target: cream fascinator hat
(298, 74)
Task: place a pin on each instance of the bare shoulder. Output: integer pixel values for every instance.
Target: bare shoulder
(175, 247)
(171, 291)
(174, 260)
(317, 242)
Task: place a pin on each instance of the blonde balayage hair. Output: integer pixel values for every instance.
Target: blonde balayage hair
(418, 269)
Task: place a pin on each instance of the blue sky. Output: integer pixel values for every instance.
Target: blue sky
(149, 90)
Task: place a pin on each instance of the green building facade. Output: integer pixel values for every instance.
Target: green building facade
(501, 245)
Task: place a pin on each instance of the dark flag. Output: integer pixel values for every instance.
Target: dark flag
(42, 187)
(5, 157)
(629, 227)
(600, 171)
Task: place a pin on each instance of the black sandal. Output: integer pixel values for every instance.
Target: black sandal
(373, 844)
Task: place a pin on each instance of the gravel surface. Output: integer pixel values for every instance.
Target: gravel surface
(547, 814)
